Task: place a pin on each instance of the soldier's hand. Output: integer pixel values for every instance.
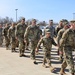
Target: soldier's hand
(25, 41)
(60, 52)
(57, 45)
(36, 50)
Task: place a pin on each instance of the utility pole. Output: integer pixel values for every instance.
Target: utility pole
(16, 14)
(73, 16)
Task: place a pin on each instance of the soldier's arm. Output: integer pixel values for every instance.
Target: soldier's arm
(9, 33)
(58, 36)
(40, 31)
(56, 30)
(26, 33)
(3, 32)
(45, 31)
(64, 38)
(16, 31)
(39, 43)
(54, 33)
(53, 42)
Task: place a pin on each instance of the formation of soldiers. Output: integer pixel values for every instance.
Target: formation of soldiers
(22, 36)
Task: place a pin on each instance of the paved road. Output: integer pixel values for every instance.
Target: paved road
(12, 64)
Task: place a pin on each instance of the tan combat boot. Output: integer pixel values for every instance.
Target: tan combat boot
(52, 68)
(44, 65)
(44, 61)
(72, 74)
(62, 72)
(20, 53)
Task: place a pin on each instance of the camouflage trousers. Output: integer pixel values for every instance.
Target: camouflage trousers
(60, 49)
(17, 43)
(7, 41)
(27, 44)
(33, 46)
(1, 40)
(13, 43)
(68, 59)
(21, 45)
(47, 57)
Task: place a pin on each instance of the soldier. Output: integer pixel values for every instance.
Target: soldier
(47, 45)
(20, 30)
(17, 42)
(68, 43)
(52, 29)
(59, 27)
(5, 32)
(32, 34)
(59, 36)
(1, 36)
(11, 35)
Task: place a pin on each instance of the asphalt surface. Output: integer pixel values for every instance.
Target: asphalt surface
(12, 64)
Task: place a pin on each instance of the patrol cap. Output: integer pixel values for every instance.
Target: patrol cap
(72, 21)
(61, 21)
(23, 18)
(65, 24)
(34, 20)
(48, 31)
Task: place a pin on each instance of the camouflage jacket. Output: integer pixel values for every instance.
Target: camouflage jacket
(20, 30)
(57, 29)
(32, 33)
(1, 29)
(11, 32)
(59, 35)
(5, 31)
(47, 42)
(68, 38)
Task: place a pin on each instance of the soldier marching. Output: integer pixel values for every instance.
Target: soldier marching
(31, 36)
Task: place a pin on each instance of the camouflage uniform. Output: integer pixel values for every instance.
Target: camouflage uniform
(68, 43)
(47, 45)
(32, 34)
(60, 26)
(1, 36)
(57, 29)
(5, 34)
(20, 30)
(59, 36)
(11, 35)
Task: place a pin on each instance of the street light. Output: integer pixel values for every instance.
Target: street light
(16, 14)
(73, 15)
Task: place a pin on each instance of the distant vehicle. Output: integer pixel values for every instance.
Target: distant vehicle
(42, 28)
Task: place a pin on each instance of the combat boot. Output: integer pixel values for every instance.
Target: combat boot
(7, 48)
(44, 64)
(12, 50)
(23, 53)
(52, 68)
(32, 57)
(34, 61)
(62, 72)
(72, 74)
(20, 53)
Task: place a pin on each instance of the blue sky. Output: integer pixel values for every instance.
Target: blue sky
(39, 9)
